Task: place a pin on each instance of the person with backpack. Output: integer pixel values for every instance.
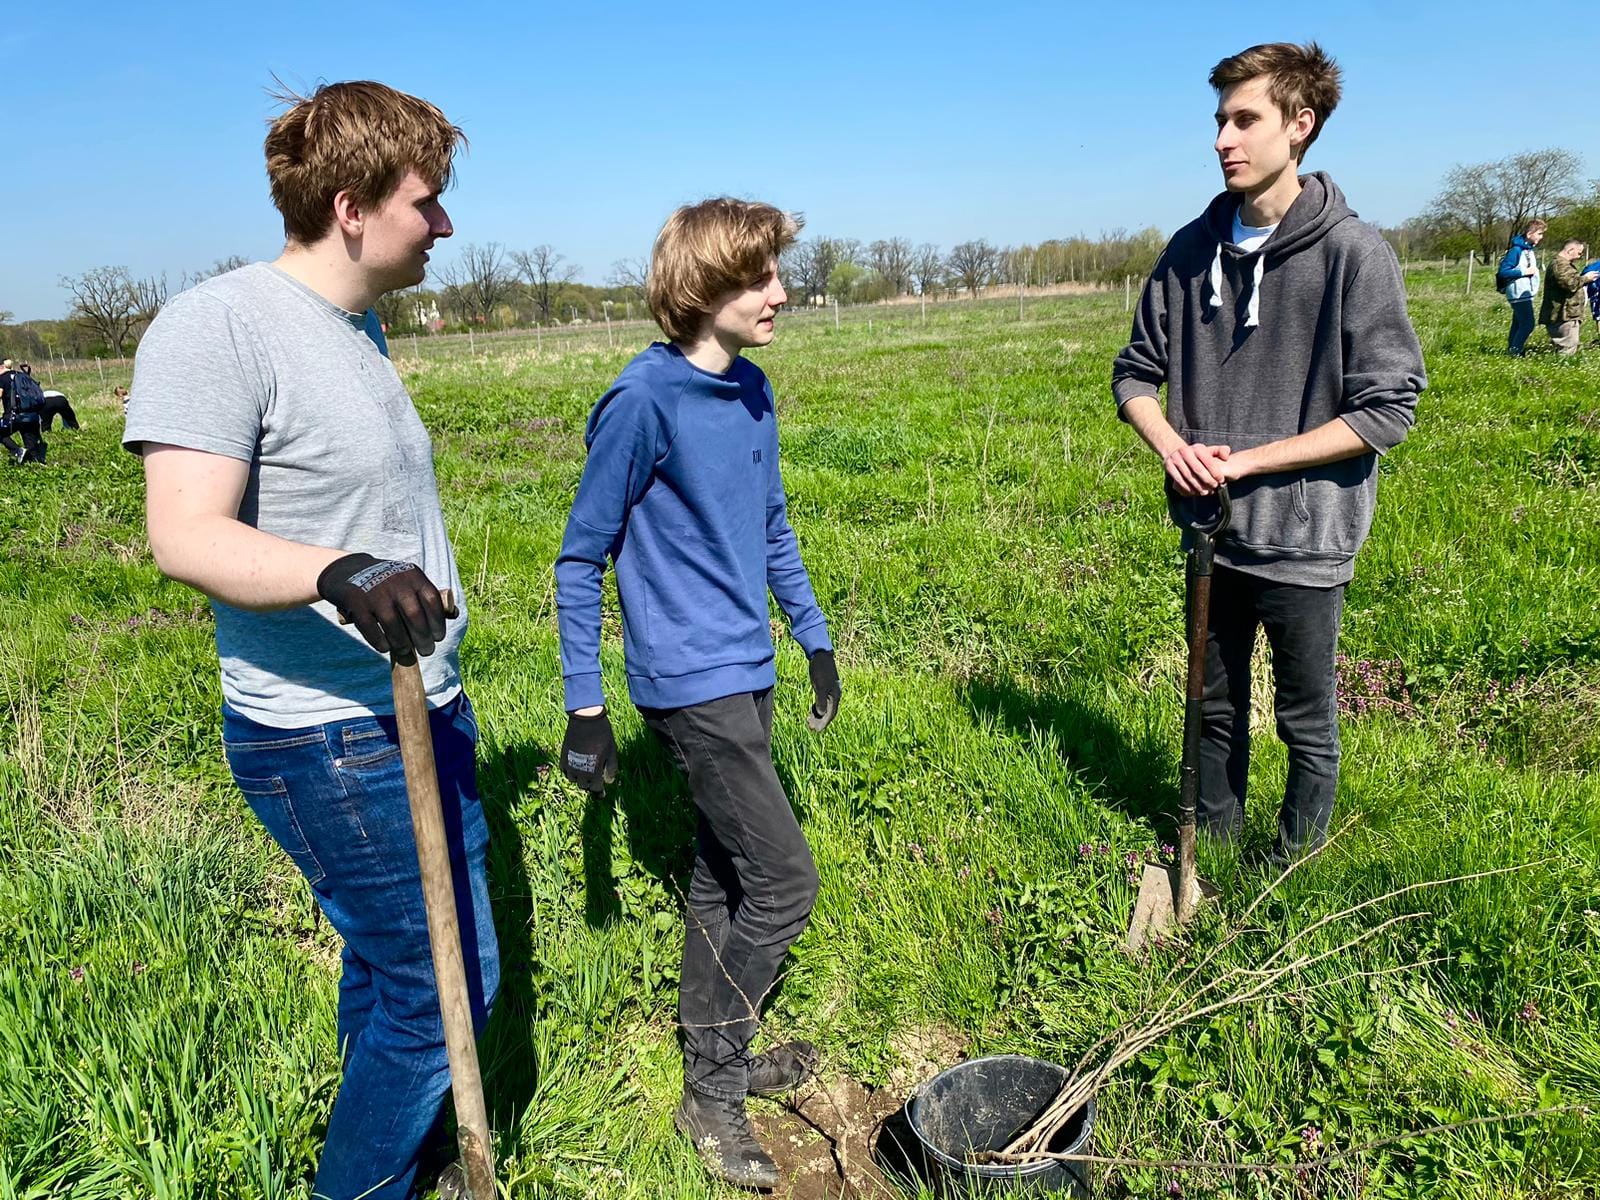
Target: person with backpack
(1517, 279)
(54, 404)
(21, 403)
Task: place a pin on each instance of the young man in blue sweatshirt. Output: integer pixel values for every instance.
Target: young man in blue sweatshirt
(682, 493)
(1518, 276)
(1277, 324)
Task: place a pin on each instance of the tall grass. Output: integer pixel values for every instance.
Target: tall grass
(992, 553)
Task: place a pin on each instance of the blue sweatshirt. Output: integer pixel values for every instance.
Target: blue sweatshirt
(682, 492)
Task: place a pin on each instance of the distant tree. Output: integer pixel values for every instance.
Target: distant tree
(891, 259)
(1536, 184)
(5, 316)
(629, 275)
(221, 267)
(927, 267)
(103, 302)
(973, 264)
(1488, 202)
(397, 310)
(806, 266)
(478, 281)
(149, 298)
(544, 271)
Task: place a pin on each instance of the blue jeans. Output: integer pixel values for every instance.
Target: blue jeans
(334, 797)
(1521, 325)
(1302, 625)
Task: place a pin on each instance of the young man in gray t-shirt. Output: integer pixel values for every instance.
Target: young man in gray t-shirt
(289, 478)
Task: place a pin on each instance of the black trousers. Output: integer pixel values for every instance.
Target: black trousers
(33, 445)
(753, 888)
(1302, 626)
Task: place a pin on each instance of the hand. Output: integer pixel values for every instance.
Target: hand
(393, 604)
(589, 752)
(825, 691)
(1196, 470)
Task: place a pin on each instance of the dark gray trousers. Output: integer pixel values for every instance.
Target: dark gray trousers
(753, 887)
(1302, 625)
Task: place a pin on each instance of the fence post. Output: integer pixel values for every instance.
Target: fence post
(1127, 293)
(924, 306)
(1020, 290)
(472, 343)
(836, 312)
(102, 367)
(1471, 255)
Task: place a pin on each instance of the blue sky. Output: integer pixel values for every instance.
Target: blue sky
(140, 128)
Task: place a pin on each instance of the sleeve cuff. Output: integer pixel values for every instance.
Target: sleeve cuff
(1380, 428)
(813, 637)
(1127, 388)
(584, 691)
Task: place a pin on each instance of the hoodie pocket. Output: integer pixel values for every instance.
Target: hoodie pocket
(1320, 512)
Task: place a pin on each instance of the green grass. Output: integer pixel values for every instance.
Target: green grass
(990, 547)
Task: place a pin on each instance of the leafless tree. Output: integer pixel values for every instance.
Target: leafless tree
(103, 302)
(927, 267)
(891, 259)
(973, 264)
(221, 267)
(814, 261)
(478, 281)
(544, 271)
(149, 298)
(1536, 184)
(629, 274)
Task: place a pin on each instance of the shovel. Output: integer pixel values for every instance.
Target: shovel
(1168, 896)
(444, 928)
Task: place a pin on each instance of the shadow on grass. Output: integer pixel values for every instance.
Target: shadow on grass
(1137, 778)
(659, 818)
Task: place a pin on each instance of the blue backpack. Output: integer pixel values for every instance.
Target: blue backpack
(27, 397)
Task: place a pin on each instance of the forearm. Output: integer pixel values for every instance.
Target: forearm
(1149, 421)
(239, 565)
(1332, 442)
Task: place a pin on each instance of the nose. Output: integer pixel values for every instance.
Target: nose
(1225, 139)
(441, 226)
(777, 297)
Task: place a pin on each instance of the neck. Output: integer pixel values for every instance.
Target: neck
(709, 354)
(328, 270)
(1267, 204)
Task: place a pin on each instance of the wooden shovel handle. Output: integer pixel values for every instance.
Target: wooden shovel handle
(444, 929)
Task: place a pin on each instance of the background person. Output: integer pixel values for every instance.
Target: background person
(1299, 368)
(1518, 277)
(682, 492)
(21, 408)
(289, 478)
(1565, 298)
(55, 405)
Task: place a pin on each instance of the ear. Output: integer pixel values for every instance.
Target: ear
(1300, 128)
(348, 214)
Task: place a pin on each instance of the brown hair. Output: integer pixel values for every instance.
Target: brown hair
(1537, 225)
(358, 137)
(708, 249)
(1297, 77)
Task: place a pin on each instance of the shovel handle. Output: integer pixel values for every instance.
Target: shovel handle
(1217, 525)
(444, 928)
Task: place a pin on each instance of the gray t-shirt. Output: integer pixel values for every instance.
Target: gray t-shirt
(256, 366)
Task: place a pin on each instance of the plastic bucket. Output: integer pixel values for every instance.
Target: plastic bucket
(982, 1105)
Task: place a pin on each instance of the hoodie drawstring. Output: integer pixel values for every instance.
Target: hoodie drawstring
(1252, 315)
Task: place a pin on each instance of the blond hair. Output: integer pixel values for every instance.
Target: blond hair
(358, 137)
(1297, 77)
(708, 249)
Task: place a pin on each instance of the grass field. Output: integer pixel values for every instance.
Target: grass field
(990, 546)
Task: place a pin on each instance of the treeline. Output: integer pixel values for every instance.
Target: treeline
(855, 272)
(490, 287)
(1480, 205)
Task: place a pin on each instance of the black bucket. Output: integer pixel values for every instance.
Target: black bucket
(982, 1105)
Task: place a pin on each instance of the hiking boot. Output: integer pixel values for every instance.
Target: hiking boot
(720, 1131)
(452, 1183)
(782, 1068)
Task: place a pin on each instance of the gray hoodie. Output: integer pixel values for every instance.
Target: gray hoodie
(1258, 347)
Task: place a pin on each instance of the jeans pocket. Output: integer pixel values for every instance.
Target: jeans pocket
(269, 799)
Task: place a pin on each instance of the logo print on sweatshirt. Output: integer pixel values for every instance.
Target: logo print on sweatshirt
(755, 456)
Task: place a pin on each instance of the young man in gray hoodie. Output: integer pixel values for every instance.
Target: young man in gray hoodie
(1277, 322)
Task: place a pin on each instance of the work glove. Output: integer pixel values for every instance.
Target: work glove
(589, 752)
(824, 690)
(393, 604)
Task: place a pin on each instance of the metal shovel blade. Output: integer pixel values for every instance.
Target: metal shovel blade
(1156, 911)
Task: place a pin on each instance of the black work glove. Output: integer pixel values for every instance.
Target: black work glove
(589, 752)
(393, 604)
(824, 690)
